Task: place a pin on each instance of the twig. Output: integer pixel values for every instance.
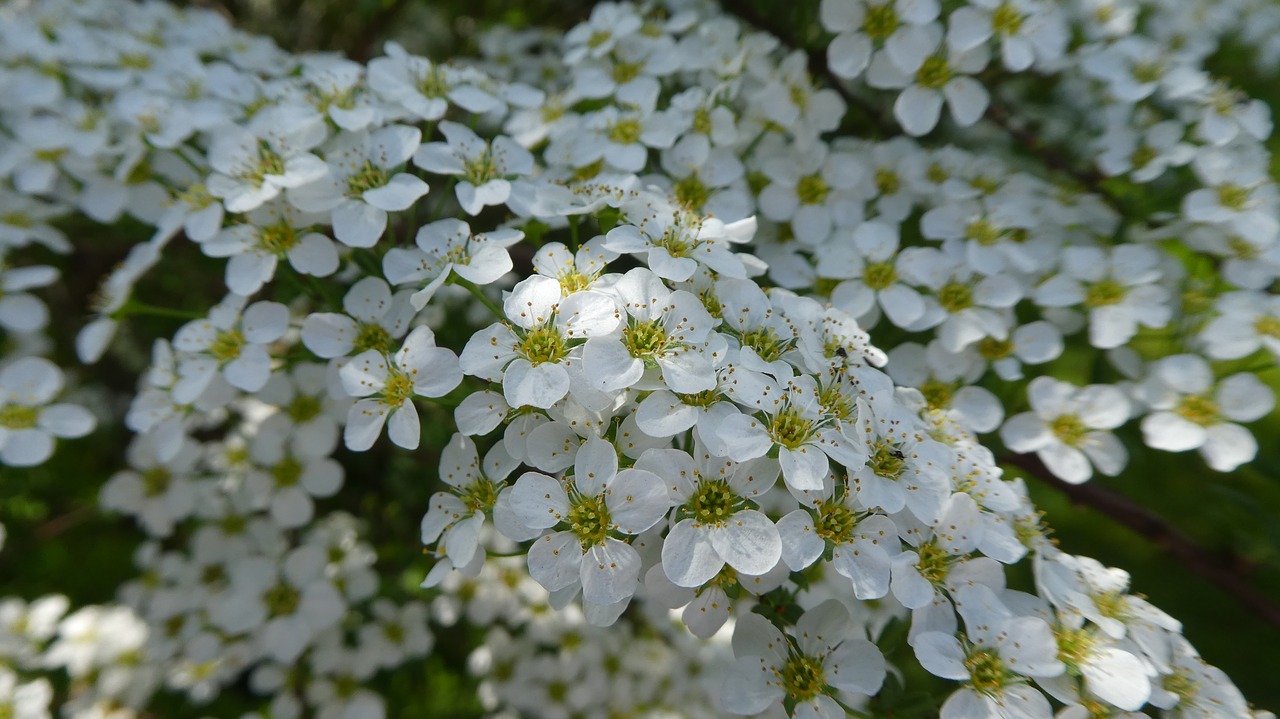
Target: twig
(1215, 569)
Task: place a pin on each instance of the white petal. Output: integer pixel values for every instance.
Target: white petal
(748, 542)
(403, 426)
(609, 572)
(688, 559)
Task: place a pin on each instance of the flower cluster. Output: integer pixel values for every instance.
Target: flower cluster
(703, 371)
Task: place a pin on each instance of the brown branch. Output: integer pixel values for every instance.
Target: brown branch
(1217, 570)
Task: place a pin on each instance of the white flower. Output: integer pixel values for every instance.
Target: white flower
(819, 657)
(447, 246)
(425, 89)
(664, 329)
(716, 522)
(20, 311)
(930, 74)
(868, 268)
(457, 516)
(790, 419)
(1119, 289)
(486, 167)
(252, 165)
(228, 343)
(274, 231)
(362, 184)
(529, 353)
(374, 319)
(1028, 30)
(1246, 322)
(863, 26)
(419, 368)
(158, 492)
(861, 543)
(1192, 410)
(28, 422)
(1067, 428)
(590, 511)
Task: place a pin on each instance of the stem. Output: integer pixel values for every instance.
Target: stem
(478, 294)
(573, 233)
(134, 308)
(1161, 533)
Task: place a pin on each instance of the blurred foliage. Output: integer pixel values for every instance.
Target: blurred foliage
(58, 542)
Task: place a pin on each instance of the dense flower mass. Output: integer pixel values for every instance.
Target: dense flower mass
(703, 372)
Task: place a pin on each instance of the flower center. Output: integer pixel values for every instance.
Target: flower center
(888, 461)
(589, 520)
(625, 132)
(937, 393)
(645, 340)
(1181, 684)
(692, 192)
(713, 502)
(789, 429)
(19, 416)
(1006, 20)
(155, 481)
(278, 238)
(887, 181)
(372, 336)
(994, 349)
(987, 673)
(368, 177)
(955, 296)
(1069, 429)
(934, 73)
(287, 472)
(433, 83)
(399, 387)
(1267, 326)
(881, 21)
(812, 190)
(480, 169)
(676, 242)
(304, 408)
(543, 344)
(269, 163)
(1142, 156)
(983, 232)
(879, 275)
(226, 345)
(1075, 646)
(281, 600)
(935, 562)
(1198, 409)
(1105, 292)
(480, 495)
(197, 196)
(802, 677)
(625, 72)
(766, 342)
(705, 398)
(835, 522)
(1233, 196)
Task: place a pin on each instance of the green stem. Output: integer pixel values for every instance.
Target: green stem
(573, 233)
(479, 294)
(135, 308)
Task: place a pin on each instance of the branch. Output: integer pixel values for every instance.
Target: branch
(1139, 519)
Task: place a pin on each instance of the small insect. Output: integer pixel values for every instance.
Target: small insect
(842, 353)
(897, 454)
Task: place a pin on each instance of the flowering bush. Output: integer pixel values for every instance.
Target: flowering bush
(711, 360)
